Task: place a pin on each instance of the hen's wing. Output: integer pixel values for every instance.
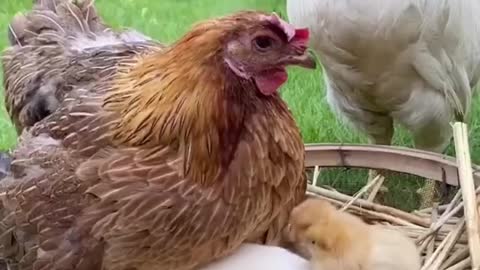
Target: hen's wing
(57, 47)
(121, 207)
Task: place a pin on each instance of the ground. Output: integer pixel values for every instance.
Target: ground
(167, 20)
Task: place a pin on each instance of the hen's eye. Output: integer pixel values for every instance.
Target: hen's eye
(263, 42)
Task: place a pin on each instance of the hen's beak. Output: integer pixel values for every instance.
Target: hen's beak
(306, 60)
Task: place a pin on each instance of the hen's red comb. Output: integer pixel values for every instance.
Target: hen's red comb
(301, 34)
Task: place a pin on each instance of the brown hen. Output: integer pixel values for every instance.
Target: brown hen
(145, 156)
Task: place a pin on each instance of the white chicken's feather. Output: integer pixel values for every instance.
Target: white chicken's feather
(412, 61)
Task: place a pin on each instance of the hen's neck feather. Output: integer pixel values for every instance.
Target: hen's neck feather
(195, 104)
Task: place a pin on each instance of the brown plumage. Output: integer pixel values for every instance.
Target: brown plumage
(338, 240)
(151, 156)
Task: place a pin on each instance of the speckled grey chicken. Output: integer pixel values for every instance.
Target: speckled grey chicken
(40, 70)
(135, 155)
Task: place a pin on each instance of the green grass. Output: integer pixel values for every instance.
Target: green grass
(167, 20)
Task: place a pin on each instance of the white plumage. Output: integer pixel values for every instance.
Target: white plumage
(410, 61)
(260, 257)
(414, 62)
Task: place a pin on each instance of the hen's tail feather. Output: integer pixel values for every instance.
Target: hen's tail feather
(47, 42)
(5, 161)
(64, 17)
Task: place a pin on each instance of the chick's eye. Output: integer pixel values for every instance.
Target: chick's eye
(263, 42)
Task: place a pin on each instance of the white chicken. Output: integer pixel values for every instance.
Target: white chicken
(414, 62)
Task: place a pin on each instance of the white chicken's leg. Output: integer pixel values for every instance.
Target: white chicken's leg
(383, 138)
(378, 126)
(433, 137)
